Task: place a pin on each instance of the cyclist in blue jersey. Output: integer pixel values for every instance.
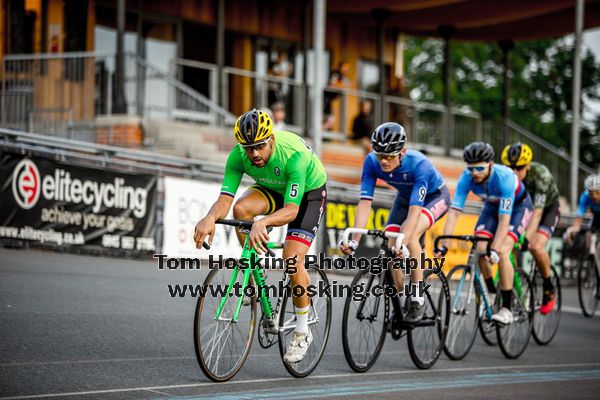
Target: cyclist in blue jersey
(589, 200)
(504, 217)
(421, 200)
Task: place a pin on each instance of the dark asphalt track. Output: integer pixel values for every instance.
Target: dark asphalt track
(87, 327)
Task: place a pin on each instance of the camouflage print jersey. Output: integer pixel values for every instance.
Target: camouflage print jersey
(541, 186)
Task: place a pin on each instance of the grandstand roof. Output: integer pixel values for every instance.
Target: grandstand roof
(479, 20)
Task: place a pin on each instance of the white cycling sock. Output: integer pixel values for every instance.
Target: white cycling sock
(302, 319)
(402, 299)
(416, 296)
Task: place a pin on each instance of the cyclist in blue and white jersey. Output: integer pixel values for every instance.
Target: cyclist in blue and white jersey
(504, 217)
(422, 199)
(589, 200)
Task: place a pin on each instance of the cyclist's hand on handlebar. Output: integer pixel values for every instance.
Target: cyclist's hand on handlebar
(259, 237)
(205, 227)
(441, 252)
(401, 251)
(348, 247)
(570, 234)
(493, 257)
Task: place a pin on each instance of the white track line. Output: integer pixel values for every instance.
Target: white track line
(575, 310)
(346, 375)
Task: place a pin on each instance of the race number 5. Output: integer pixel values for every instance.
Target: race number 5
(294, 190)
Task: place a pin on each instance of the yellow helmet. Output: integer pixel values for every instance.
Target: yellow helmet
(253, 127)
(517, 155)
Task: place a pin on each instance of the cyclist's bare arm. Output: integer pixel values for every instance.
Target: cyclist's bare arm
(451, 221)
(361, 217)
(534, 223)
(501, 231)
(206, 226)
(576, 227)
(259, 235)
(283, 216)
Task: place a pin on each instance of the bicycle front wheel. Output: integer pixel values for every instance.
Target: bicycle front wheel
(546, 326)
(319, 323)
(513, 338)
(364, 323)
(426, 339)
(587, 285)
(222, 344)
(464, 314)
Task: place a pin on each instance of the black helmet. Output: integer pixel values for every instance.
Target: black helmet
(388, 138)
(478, 152)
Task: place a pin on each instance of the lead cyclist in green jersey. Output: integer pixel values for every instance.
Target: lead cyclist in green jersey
(290, 189)
(542, 187)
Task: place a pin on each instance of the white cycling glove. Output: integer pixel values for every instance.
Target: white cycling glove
(404, 253)
(353, 244)
(494, 257)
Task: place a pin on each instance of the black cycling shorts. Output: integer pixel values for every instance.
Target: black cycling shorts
(304, 228)
(549, 220)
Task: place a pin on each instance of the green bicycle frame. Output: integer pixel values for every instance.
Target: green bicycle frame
(513, 261)
(259, 279)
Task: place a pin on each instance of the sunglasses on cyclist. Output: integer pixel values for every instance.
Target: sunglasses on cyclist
(389, 157)
(519, 168)
(257, 147)
(477, 168)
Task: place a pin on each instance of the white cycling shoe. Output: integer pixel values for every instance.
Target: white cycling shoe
(504, 316)
(298, 347)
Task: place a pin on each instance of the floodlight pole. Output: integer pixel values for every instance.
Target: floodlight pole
(579, 10)
(317, 92)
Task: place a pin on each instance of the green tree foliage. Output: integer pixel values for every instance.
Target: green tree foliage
(541, 85)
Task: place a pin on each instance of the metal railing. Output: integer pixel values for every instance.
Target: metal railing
(557, 160)
(254, 89)
(63, 94)
(426, 120)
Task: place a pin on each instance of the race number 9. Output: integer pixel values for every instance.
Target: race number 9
(294, 190)
(422, 193)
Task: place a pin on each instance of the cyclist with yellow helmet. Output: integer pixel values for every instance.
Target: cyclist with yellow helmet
(542, 187)
(290, 189)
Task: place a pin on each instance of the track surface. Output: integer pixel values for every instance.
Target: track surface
(87, 327)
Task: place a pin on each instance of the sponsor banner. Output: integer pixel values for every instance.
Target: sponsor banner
(61, 205)
(340, 215)
(458, 252)
(187, 202)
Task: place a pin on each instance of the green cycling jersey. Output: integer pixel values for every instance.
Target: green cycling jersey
(541, 185)
(292, 170)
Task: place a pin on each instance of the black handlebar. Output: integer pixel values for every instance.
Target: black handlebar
(467, 238)
(242, 225)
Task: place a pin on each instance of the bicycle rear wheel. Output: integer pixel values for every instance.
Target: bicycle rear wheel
(464, 313)
(587, 287)
(546, 326)
(319, 323)
(222, 344)
(364, 323)
(426, 339)
(513, 338)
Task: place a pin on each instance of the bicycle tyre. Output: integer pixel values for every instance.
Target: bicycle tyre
(307, 365)
(204, 322)
(356, 363)
(459, 342)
